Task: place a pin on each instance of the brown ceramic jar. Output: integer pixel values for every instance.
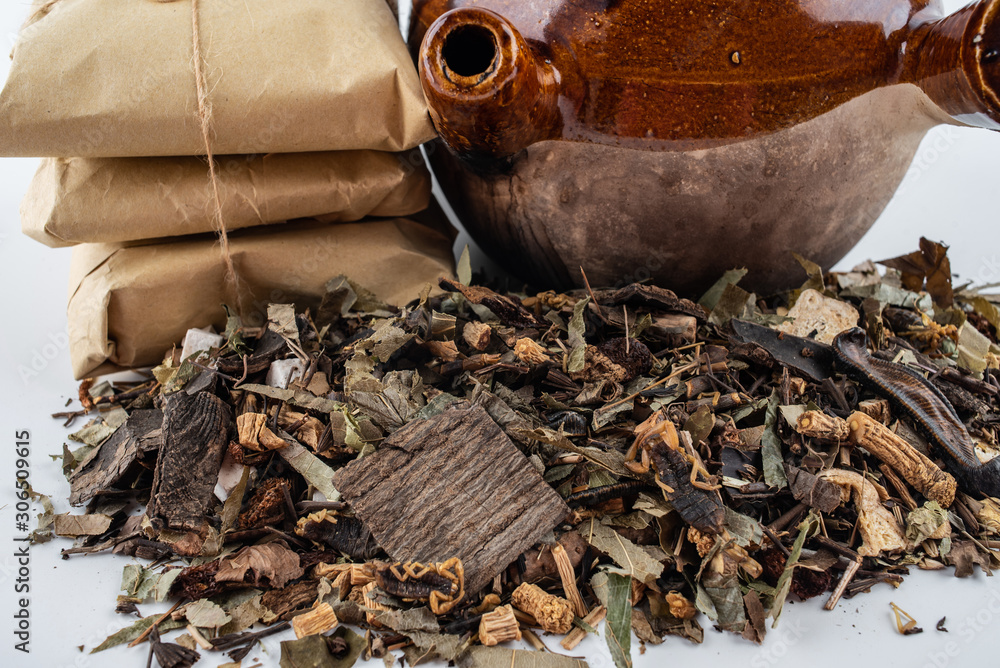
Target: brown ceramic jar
(675, 139)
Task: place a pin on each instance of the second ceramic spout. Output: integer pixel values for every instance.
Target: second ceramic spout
(489, 95)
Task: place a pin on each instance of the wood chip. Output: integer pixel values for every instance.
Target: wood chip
(477, 335)
(318, 620)
(576, 636)
(499, 626)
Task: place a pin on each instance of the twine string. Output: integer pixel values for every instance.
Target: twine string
(205, 120)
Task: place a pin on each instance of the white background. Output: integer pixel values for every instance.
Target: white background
(951, 195)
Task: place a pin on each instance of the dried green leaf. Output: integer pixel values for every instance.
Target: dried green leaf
(808, 527)
(744, 530)
(441, 646)
(405, 621)
(206, 615)
(813, 271)
(46, 518)
(972, 348)
(988, 310)
(233, 333)
(575, 362)
(734, 303)
(245, 615)
(463, 270)
(231, 508)
(309, 652)
(294, 397)
(774, 464)
(281, 321)
(629, 556)
(711, 298)
(94, 432)
(138, 582)
(727, 600)
(161, 590)
(923, 522)
(310, 467)
(479, 656)
(130, 633)
(618, 626)
(74, 526)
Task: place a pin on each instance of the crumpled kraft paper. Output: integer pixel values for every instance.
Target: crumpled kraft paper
(105, 200)
(115, 78)
(129, 304)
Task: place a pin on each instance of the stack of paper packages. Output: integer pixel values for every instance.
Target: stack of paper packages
(313, 112)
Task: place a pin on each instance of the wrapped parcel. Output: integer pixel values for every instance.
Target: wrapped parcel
(115, 78)
(129, 303)
(102, 200)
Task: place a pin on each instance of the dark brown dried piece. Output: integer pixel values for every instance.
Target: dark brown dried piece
(283, 602)
(342, 533)
(266, 506)
(195, 435)
(442, 585)
(510, 312)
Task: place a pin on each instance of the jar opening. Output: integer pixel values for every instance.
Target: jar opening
(469, 50)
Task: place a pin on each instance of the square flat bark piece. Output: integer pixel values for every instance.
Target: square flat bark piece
(450, 486)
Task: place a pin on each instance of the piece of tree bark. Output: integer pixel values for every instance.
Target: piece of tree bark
(451, 486)
(111, 461)
(195, 435)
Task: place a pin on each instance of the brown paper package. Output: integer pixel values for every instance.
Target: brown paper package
(129, 304)
(115, 78)
(107, 200)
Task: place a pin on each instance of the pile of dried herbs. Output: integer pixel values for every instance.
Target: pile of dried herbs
(479, 467)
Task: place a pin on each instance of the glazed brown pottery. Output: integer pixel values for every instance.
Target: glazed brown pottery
(675, 139)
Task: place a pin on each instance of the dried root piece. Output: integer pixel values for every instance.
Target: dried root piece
(916, 469)
(878, 527)
(568, 577)
(529, 352)
(816, 424)
(441, 585)
(318, 620)
(577, 635)
(374, 607)
(477, 335)
(553, 614)
(362, 574)
(254, 434)
(499, 626)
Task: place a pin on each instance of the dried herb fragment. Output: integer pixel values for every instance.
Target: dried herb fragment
(470, 495)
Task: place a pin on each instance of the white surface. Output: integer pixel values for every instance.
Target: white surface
(952, 195)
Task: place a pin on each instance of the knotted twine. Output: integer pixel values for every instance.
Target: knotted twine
(205, 120)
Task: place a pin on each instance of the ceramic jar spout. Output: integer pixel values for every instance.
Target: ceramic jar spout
(489, 94)
(956, 61)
